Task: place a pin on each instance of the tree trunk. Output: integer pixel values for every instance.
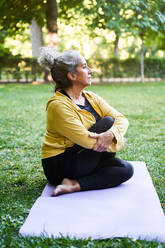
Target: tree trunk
(116, 48)
(36, 38)
(51, 17)
(142, 62)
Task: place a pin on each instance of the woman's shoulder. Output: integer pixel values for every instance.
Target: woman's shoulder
(92, 95)
(57, 97)
(58, 100)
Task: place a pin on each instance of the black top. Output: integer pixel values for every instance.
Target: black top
(86, 107)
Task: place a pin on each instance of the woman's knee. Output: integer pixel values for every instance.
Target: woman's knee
(102, 125)
(107, 121)
(129, 170)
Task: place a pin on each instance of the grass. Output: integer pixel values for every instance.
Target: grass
(22, 122)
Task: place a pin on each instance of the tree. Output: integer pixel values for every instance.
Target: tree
(15, 14)
(36, 38)
(147, 18)
(51, 19)
(105, 14)
(35, 12)
(137, 17)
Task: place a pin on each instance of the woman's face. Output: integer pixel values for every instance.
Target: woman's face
(83, 74)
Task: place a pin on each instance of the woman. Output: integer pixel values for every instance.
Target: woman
(83, 132)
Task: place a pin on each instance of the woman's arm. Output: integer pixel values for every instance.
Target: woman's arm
(65, 121)
(114, 137)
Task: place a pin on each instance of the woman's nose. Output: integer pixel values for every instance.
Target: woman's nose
(89, 70)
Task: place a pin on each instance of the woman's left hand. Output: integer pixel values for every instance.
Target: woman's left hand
(103, 140)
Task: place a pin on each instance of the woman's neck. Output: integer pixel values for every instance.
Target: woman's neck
(74, 92)
(76, 95)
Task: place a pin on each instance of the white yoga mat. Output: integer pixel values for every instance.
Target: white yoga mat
(130, 210)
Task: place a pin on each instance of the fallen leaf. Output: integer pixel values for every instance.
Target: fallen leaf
(35, 165)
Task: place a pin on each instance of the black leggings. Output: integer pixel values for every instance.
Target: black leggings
(93, 170)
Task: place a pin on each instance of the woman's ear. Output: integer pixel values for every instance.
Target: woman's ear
(71, 76)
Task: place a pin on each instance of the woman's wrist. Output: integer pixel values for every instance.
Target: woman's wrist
(110, 134)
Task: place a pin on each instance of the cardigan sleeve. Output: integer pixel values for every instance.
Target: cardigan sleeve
(120, 125)
(67, 123)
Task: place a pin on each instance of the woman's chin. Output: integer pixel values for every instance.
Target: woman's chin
(89, 82)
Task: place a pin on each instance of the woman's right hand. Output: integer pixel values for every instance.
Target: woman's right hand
(103, 140)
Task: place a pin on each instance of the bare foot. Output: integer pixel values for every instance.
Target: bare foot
(66, 186)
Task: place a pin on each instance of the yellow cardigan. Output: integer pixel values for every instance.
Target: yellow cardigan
(67, 124)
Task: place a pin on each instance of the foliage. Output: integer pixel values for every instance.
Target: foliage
(106, 14)
(13, 14)
(66, 7)
(16, 67)
(136, 16)
(155, 40)
(112, 68)
(154, 67)
(100, 13)
(144, 19)
(4, 52)
(28, 69)
(147, 16)
(22, 124)
(120, 16)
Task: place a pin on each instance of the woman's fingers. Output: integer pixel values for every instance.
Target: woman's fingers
(103, 141)
(100, 146)
(99, 149)
(94, 135)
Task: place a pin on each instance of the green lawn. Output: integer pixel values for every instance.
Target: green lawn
(22, 126)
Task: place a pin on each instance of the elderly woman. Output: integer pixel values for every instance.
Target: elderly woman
(83, 132)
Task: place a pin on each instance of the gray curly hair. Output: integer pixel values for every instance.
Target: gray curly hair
(59, 64)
